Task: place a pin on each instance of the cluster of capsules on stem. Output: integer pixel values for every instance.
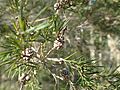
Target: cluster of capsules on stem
(61, 4)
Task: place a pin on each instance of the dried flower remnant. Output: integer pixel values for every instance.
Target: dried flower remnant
(59, 42)
(23, 79)
(57, 6)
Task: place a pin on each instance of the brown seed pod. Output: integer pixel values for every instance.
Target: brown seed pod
(59, 42)
(61, 4)
(28, 53)
(65, 73)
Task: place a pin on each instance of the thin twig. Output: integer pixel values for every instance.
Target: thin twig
(49, 52)
(21, 86)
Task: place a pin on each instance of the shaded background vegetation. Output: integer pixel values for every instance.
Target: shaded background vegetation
(89, 58)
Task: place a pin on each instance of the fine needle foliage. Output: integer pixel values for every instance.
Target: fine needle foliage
(37, 53)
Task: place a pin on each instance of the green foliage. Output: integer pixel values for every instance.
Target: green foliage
(34, 52)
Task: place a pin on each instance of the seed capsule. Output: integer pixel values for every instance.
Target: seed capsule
(65, 73)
